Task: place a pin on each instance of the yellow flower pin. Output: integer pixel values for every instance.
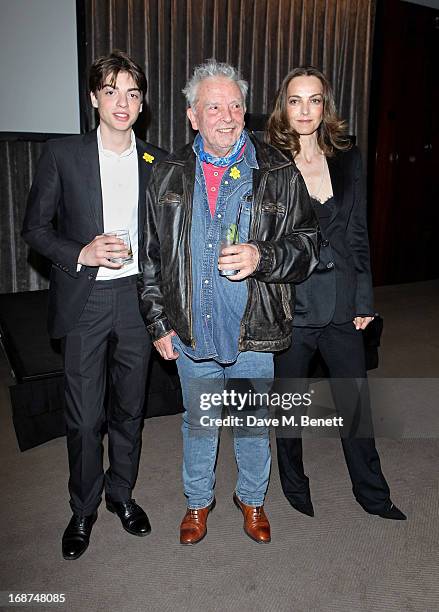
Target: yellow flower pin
(235, 173)
(148, 158)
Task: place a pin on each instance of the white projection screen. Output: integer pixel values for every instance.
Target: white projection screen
(39, 67)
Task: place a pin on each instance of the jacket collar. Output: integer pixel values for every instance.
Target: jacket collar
(269, 158)
(89, 161)
(90, 138)
(336, 173)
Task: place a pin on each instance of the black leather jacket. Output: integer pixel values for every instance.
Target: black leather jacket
(283, 227)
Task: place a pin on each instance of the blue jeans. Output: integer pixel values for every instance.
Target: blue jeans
(200, 443)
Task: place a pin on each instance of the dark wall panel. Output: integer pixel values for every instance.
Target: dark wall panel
(265, 38)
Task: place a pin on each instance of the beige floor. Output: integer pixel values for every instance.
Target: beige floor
(343, 560)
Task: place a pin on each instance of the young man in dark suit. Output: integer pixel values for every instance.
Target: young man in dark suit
(85, 188)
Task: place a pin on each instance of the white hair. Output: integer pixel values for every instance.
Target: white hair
(212, 69)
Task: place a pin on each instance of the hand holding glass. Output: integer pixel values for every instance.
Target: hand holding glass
(229, 237)
(125, 236)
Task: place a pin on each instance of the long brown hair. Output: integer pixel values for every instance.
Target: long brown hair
(331, 133)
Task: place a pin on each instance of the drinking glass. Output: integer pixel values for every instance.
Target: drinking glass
(124, 235)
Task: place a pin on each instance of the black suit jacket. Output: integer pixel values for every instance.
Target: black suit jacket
(341, 286)
(64, 213)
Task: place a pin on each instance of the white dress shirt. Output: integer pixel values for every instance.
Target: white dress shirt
(120, 197)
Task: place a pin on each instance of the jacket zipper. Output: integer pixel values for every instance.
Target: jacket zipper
(252, 233)
(189, 217)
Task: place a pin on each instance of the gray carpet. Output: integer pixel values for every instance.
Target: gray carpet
(341, 560)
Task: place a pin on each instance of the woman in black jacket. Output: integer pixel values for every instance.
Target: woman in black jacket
(336, 302)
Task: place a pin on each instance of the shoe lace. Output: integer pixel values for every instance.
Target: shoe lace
(256, 514)
(130, 505)
(79, 523)
(193, 512)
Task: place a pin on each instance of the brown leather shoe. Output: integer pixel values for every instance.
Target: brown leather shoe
(256, 524)
(193, 527)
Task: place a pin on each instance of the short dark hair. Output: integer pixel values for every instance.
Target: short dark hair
(110, 66)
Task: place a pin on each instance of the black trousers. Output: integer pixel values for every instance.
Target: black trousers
(342, 349)
(109, 347)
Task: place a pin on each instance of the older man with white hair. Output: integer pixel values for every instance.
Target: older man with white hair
(223, 317)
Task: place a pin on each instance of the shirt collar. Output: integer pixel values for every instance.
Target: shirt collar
(109, 153)
(250, 154)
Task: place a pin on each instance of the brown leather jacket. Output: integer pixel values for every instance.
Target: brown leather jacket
(283, 227)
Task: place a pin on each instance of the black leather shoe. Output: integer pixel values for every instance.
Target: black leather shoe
(77, 535)
(393, 513)
(305, 508)
(132, 517)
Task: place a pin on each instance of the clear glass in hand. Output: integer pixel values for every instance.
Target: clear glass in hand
(229, 237)
(125, 236)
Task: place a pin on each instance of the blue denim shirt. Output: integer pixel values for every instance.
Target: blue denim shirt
(218, 304)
